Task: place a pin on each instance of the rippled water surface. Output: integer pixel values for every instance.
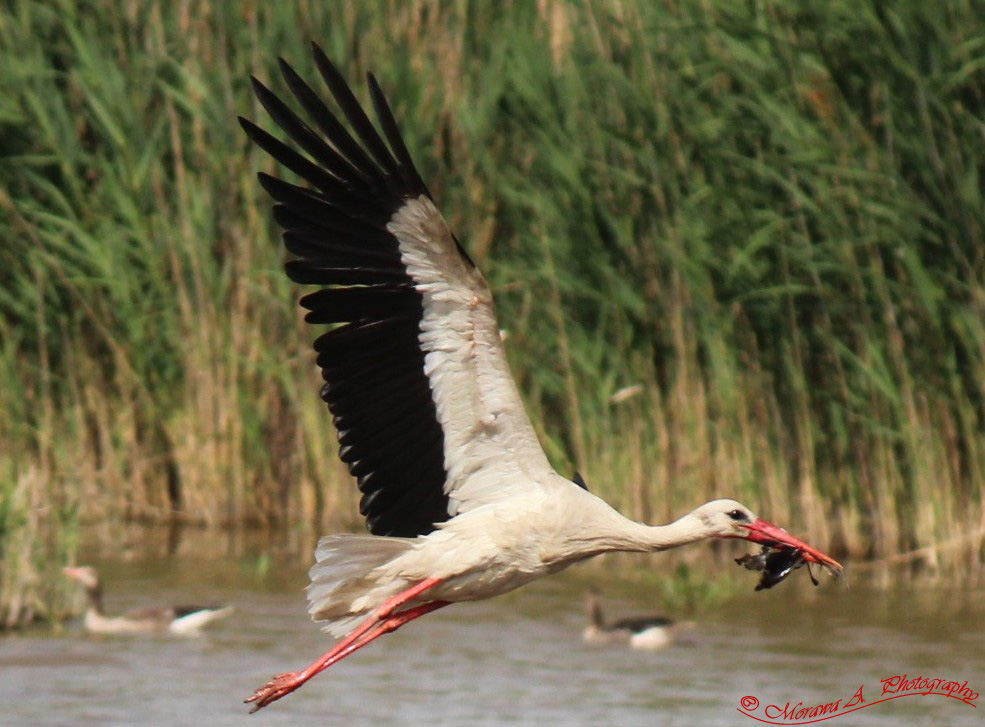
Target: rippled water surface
(517, 660)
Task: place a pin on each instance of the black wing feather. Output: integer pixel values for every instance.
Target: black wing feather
(363, 167)
(354, 113)
(288, 157)
(389, 434)
(392, 133)
(319, 272)
(301, 133)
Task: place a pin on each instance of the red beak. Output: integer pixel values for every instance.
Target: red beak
(766, 533)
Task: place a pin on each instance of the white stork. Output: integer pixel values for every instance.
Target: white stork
(459, 498)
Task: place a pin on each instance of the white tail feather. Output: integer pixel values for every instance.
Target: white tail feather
(345, 584)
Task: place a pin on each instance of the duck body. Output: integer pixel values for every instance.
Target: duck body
(187, 620)
(640, 632)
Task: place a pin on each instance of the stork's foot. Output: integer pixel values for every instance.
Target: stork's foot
(383, 621)
(281, 685)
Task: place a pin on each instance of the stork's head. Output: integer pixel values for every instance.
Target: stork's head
(731, 519)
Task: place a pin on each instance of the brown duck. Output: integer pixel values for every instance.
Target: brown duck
(173, 619)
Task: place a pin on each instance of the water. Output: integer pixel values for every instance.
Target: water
(516, 660)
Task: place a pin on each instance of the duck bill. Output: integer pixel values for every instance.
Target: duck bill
(766, 533)
(76, 574)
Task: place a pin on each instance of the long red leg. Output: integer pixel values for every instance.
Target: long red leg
(389, 626)
(382, 621)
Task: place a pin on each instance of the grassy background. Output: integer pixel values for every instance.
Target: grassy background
(737, 248)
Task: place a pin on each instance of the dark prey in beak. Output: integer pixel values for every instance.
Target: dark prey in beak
(776, 563)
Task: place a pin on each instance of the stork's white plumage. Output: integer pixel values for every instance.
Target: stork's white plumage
(458, 495)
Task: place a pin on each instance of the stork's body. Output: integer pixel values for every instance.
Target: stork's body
(490, 550)
(458, 495)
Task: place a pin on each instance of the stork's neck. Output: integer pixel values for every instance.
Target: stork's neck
(611, 531)
(637, 537)
(587, 526)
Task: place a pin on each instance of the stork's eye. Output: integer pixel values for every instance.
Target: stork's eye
(738, 515)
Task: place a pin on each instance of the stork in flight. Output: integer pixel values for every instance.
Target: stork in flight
(459, 498)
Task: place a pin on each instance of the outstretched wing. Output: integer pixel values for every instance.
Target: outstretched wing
(428, 416)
